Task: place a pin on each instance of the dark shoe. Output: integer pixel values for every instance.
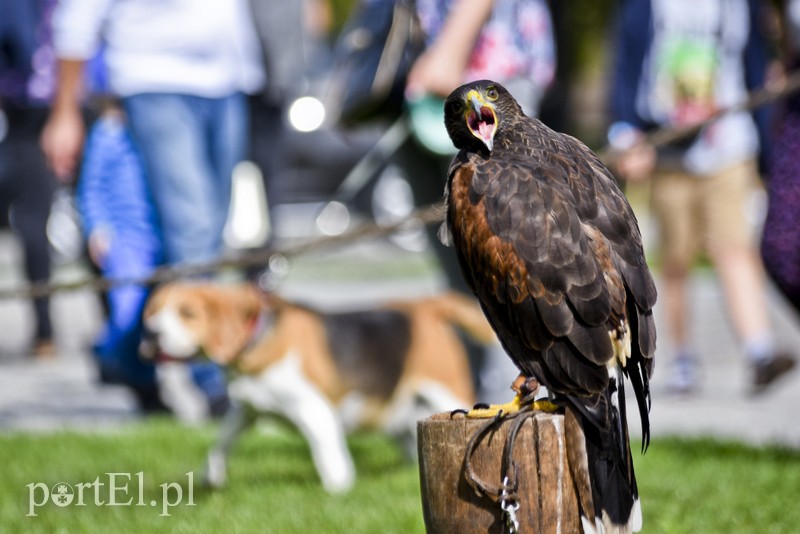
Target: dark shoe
(766, 372)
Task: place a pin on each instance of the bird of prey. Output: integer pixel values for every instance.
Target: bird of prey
(553, 252)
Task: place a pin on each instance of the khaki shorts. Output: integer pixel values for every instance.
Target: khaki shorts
(700, 212)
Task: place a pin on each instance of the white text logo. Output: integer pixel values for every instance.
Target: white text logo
(118, 489)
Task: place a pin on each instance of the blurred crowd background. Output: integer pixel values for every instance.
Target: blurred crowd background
(139, 134)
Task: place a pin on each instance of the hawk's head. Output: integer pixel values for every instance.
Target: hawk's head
(475, 113)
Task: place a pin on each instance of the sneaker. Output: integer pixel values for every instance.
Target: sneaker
(769, 370)
(684, 377)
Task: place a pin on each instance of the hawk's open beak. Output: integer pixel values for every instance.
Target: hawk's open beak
(481, 118)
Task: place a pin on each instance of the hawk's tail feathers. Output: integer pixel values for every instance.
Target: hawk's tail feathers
(599, 456)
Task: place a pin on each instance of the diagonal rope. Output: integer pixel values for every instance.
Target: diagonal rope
(426, 215)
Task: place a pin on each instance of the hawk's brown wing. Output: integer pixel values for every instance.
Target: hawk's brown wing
(609, 211)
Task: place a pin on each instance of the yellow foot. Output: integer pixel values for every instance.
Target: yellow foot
(489, 411)
(495, 410)
(545, 405)
(526, 388)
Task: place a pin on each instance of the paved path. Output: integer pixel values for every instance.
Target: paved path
(723, 406)
(63, 393)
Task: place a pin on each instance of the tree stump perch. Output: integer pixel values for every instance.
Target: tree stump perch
(544, 486)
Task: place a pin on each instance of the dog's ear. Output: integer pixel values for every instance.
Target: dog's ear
(232, 317)
(154, 301)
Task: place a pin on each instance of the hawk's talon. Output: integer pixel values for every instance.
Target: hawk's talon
(481, 406)
(458, 411)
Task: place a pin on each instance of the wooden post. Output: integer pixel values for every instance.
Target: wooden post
(547, 498)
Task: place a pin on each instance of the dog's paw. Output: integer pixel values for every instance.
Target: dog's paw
(341, 485)
(214, 475)
(338, 476)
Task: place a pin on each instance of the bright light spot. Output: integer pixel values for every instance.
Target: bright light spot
(306, 114)
(333, 219)
(279, 264)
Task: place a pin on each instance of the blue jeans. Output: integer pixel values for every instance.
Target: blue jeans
(189, 146)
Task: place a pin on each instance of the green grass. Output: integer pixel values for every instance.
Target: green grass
(273, 486)
(686, 485)
(712, 486)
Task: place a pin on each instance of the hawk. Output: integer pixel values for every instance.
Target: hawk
(553, 252)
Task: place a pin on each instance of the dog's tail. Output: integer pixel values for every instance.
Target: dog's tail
(464, 313)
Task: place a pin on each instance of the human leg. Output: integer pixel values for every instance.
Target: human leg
(730, 246)
(188, 169)
(733, 252)
(742, 282)
(29, 187)
(118, 350)
(673, 205)
(226, 127)
(170, 132)
(29, 219)
(227, 133)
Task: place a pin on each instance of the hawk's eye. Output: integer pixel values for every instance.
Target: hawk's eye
(456, 106)
(187, 312)
(492, 94)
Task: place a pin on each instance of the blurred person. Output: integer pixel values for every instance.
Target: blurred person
(291, 35)
(182, 70)
(510, 41)
(124, 241)
(676, 63)
(26, 184)
(780, 245)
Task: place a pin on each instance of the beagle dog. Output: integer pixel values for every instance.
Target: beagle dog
(326, 373)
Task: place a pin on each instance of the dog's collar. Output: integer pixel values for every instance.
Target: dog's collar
(163, 357)
(259, 326)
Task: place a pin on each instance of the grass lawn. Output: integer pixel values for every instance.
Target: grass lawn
(687, 485)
